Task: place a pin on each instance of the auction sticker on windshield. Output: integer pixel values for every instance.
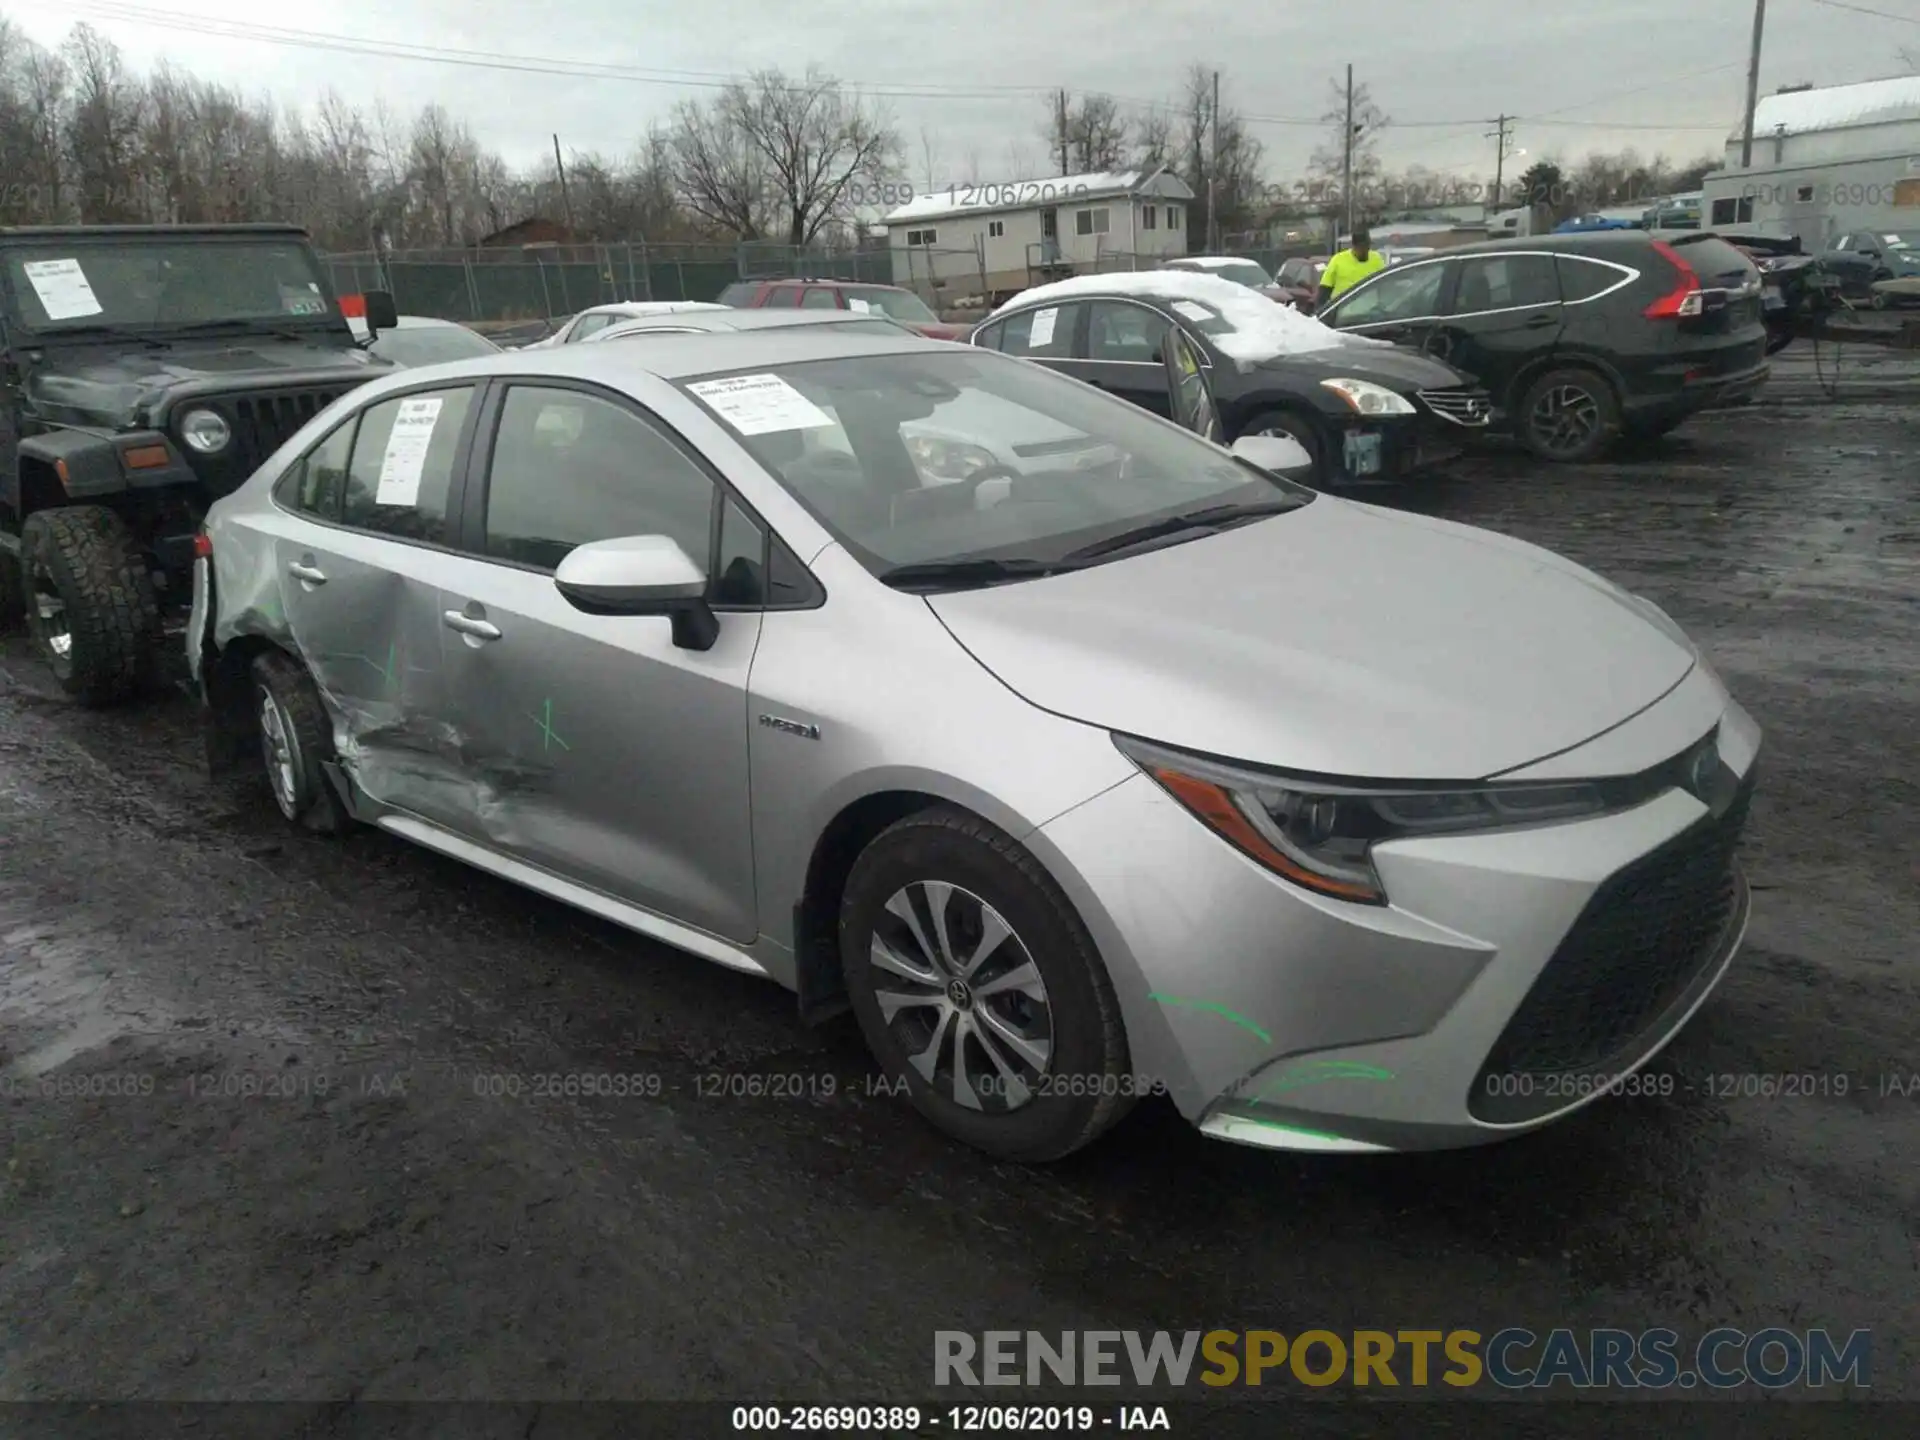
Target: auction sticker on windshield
(63, 289)
(406, 453)
(760, 404)
(1042, 331)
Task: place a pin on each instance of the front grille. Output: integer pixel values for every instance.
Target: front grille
(1462, 405)
(1644, 938)
(262, 423)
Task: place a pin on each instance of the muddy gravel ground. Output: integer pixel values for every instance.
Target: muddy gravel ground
(268, 1168)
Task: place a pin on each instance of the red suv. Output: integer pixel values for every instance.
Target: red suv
(888, 300)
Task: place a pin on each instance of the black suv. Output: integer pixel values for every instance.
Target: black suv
(147, 371)
(1580, 338)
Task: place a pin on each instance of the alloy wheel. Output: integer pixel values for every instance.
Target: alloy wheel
(961, 993)
(281, 750)
(47, 619)
(1565, 419)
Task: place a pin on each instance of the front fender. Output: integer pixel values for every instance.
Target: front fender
(90, 463)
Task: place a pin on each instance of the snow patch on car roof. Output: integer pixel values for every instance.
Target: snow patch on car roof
(1262, 328)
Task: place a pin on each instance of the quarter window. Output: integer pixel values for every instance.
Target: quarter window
(401, 472)
(316, 484)
(569, 468)
(1505, 282)
(1582, 279)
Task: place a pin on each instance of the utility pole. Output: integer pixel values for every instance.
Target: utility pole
(1346, 156)
(1213, 173)
(1064, 169)
(1502, 135)
(566, 200)
(1753, 83)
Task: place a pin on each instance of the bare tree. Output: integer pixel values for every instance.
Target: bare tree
(1154, 142)
(33, 99)
(1328, 165)
(1224, 173)
(102, 128)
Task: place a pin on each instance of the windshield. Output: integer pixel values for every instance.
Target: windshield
(900, 304)
(973, 456)
(72, 284)
(430, 344)
(1897, 242)
(1244, 272)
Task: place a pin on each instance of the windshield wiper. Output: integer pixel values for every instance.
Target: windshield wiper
(957, 574)
(1210, 519)
(112, 332)
(256, 327)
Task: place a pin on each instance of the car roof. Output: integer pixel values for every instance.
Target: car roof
(728, 318)
(832, 284)
(411, 322)
(1595, 242)
(691, 355)
(636, 309)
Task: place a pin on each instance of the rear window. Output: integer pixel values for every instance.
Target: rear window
(738, 296)
(1718, 264)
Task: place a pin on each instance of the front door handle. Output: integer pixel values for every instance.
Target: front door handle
(468, 625)
(307, 573)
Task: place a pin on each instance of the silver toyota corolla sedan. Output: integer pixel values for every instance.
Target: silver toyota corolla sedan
(1347, 829)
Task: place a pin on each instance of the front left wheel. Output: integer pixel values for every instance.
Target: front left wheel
(90, 604)
(979, 990)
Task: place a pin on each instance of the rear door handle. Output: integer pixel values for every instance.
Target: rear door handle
(467, 625)
(304, 571)
(1540, 322)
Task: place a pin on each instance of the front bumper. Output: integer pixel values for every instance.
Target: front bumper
(1500, 989)
(1402, 447)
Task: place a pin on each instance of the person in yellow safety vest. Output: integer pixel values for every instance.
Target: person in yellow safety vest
(1349, 267)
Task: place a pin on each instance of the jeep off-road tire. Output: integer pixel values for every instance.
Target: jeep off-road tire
(1040, 987)
(296, 741)
(90, 604)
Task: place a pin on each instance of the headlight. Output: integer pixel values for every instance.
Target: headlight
(204, 431)
(1369, 398)
(947, 459)
(1320, 834)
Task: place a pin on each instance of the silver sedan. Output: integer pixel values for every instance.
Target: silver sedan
(1344, 828)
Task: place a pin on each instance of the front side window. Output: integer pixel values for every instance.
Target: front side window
(569, 468)
(918, 459)
(1409, 293)
(1043, 333)
(1130, 334)
(402, 468)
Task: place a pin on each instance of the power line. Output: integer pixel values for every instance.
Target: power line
(690, 79)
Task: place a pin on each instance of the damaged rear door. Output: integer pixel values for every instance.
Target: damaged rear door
(355, 572)
(596, 748)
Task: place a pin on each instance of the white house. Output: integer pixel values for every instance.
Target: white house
(1005, 235)
(1828, 160)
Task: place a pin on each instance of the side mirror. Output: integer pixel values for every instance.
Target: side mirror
(380, 312)
(1280, 455)
(641, 575)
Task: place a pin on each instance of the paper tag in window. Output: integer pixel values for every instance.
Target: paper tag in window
(760, 404)
(1192, 311)
(860, 305)
(406, 453)
(62, 287)
(1042, 331)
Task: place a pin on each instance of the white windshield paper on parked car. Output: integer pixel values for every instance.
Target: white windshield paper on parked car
(1192, 311)
(63, 289)
(862, 306)
(760, 404)
(1042, 332)
(406, 453)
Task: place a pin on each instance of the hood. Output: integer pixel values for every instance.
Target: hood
(1396, 367)
(1339, 639)
(109, 383)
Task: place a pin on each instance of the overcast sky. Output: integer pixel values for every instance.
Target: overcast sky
(1659, 75)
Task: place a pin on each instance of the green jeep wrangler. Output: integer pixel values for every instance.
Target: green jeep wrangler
(147, 371)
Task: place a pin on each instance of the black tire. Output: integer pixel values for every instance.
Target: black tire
(13, 606)
(1089, 1088)
(90, 604)
(1300, 427)
(302, 793)
(1568, 416)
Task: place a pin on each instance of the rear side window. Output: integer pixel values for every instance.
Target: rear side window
(1505, 282)
(316, 484)
(1042, 333)
(737, 295)
(402, 467)
(1582, 279)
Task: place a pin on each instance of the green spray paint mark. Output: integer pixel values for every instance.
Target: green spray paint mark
(1297, 1130)
(545, 721)
(1214, 1008)
(1318, 1072)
